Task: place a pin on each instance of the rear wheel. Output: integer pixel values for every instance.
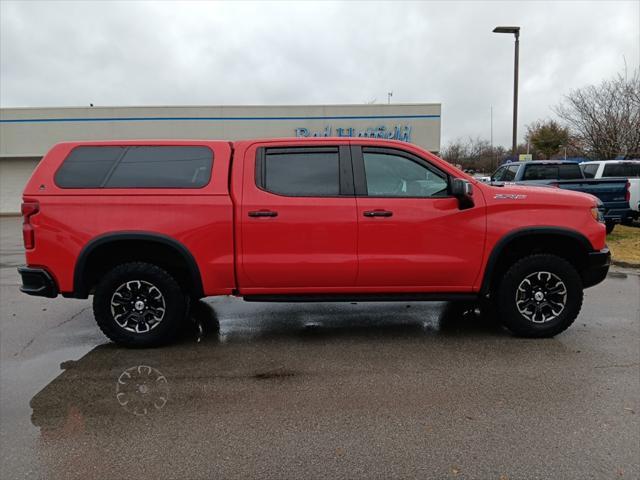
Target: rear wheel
(138, 304)
(539, 296)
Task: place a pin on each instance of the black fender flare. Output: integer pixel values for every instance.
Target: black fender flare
(526, 232)
(80, 290)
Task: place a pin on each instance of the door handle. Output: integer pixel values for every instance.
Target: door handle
(263, 213)
(378, 213)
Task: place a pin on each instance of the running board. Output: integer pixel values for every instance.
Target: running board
(363, 297)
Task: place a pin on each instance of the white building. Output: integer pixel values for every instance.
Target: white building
(26, 134)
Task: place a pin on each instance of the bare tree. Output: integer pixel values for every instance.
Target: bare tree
(605, 119)
(473, 153)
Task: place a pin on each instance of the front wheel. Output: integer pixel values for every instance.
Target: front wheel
(138, 304)
(539, 296)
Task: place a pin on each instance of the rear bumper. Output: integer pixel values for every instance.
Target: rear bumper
(597, 267)
(617, 215)
(37, 282)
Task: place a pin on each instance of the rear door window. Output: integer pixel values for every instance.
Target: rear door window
(622, 170)
(540, 172)
(569, 171)
(136, 167)
(299, 172)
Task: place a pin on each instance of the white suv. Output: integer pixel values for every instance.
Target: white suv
(629, 169)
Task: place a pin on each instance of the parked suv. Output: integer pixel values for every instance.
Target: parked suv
(629, 169)
(146, 227)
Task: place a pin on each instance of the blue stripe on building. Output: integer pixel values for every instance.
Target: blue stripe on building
(210, 119)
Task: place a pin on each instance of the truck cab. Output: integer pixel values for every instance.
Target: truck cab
(538, 172)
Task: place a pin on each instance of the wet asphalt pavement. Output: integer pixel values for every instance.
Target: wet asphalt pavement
(400, 390)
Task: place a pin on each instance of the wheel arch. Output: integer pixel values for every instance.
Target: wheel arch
(564, 242)
(153, 247)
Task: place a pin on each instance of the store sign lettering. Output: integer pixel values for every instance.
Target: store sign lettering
(397, 132)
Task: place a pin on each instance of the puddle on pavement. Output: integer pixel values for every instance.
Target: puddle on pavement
(616, 275)
(111, 384)
(238, 357)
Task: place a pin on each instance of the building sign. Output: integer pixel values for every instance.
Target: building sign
(397, 132)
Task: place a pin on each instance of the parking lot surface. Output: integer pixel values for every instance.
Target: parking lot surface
(399, 390)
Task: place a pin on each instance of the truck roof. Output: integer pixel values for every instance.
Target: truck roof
(543, 162)
(185, 141)
(631, 160)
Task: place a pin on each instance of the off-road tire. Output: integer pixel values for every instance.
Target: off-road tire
(175, 301)
(507, 307)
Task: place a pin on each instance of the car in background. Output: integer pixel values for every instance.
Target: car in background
(567, 175)
(542, 172)
(629, 169)
(481, 177)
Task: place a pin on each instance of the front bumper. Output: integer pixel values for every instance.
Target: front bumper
(597, 267)
(37, 282)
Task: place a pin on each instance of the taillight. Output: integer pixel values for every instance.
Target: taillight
(29, 208)
(627, 194)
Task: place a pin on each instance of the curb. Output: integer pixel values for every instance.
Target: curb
(619, 263)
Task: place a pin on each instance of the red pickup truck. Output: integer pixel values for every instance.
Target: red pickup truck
(149, 226)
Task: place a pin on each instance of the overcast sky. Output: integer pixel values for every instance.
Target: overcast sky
(164, 53)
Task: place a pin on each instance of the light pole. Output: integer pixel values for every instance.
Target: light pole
(565, 150)
(492, 151)
(516, 33)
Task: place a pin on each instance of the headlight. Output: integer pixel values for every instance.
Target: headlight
(598, 214)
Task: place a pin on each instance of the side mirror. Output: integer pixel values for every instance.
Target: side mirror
(463, 191)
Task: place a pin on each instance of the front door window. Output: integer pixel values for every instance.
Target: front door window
(390, 175)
